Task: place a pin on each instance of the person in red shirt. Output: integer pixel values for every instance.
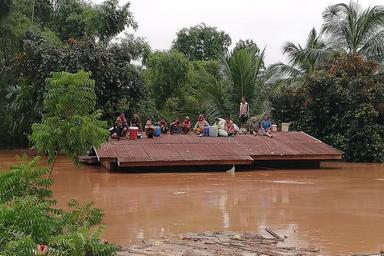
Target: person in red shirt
(186, 125)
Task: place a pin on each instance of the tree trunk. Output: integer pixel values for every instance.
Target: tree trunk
(33, 10)
(52, 165)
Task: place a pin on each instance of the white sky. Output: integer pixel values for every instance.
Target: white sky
(269, 23)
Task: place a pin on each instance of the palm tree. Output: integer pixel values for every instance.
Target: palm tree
(241, 72)
(354, 30)
(242, 75)
(302, 59)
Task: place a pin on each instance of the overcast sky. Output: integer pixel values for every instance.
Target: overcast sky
(269, 23)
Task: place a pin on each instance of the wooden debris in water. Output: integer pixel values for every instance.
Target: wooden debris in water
(274, 234)
(217, 243)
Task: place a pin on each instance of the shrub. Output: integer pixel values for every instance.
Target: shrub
(340, 104)
(69, 125)
(28, 218)
(287, 104)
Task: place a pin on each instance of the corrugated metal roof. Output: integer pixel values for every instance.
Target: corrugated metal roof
(194, 150)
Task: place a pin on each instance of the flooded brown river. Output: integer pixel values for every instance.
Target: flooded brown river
(339, 208)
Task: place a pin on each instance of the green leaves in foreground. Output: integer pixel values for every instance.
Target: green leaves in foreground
(27, 218)
(69, 125)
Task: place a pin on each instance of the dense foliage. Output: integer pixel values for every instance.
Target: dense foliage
(69, 124)
(332, 87)
(167, 75)
(341, 104)
(199, 74)
(71, 35)
(61, 60)
(303, 59)
(355, 30)
(28, 218)
(242, 74)
(202, 42)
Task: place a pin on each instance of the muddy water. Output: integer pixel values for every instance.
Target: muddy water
(339, 208)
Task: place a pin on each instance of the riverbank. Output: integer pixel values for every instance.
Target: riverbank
(218, 243)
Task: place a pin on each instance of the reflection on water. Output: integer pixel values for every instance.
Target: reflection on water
(339, 208)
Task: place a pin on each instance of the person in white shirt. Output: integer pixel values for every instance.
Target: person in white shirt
(244, 112)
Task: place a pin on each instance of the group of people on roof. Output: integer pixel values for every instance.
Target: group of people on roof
(226, 127)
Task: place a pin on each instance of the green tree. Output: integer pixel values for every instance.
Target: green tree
(202, 42)
(119, 84)
(242, 75)
(29, 217)
(247, 44)
(70, 18)
(211, 66)
(25, 92)
(355, 30)
(40, 36)
(341, 104)
(78, 19)
(69, 125)
(302, 59)
(5, 7)
(13, 25)
(42, 12)
(111, 19)
(131, 48)
(167, 73)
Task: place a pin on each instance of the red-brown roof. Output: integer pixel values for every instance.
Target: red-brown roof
(168, 150)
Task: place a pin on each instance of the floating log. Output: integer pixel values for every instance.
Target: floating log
(274, 234)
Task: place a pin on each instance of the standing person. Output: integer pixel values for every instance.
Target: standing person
(244, 112)
(265, 126)
(135, 121)
(186, 125)
(200, 124)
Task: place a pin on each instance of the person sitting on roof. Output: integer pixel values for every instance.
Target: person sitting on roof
(266, 126)
(220, 123)
(135, 121)
(254, 126)
(200, 124)
(149, 129)
(186, 125)
(229, 127)
(124, 120)
(163, 126)
(119, 131)
(176, 127)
